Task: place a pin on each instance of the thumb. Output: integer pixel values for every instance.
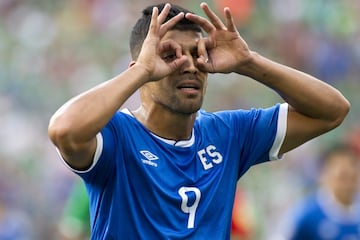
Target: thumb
(177, 63)
(203, 59)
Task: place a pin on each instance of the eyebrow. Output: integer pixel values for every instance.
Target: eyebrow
(192, 48)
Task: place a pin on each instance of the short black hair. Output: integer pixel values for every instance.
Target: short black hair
(337, 149)
(141, 28)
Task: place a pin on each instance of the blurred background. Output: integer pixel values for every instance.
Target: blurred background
(52, 50)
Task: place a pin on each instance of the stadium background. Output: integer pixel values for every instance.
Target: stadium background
(53, 50)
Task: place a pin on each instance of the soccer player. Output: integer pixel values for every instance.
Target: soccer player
(169, 170)
(74, 224)
(333, 211)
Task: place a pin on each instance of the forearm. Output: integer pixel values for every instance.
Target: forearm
(82, 117)
(307, 94)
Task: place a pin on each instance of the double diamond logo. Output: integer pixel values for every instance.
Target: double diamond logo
(150, 158)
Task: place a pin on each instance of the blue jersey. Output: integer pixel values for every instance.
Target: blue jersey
(141, 186)
(321, 217)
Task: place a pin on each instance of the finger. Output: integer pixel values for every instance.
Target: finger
(229, 20)
(177, 63)
(171, 46)
(171, 23)
(153, 23)
(178, 50)
(164, 13)
(202, 52)
(214, 19)
(202, 22)
(203, 61)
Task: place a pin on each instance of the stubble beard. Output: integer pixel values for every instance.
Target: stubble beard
(183, 107)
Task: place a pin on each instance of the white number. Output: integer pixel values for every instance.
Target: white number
(191, 210)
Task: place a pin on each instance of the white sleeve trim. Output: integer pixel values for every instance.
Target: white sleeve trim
(280, 133)
(98, 151)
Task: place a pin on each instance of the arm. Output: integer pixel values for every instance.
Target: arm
(314, 106)
(73, 128)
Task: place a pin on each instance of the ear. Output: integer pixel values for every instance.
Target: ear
(131, 63)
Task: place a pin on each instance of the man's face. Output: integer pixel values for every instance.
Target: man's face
(182, 91)
(342, 176)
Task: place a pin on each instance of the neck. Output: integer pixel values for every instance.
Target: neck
(166, 124)
(345, 200)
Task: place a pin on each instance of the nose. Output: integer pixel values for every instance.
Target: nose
(190, 65)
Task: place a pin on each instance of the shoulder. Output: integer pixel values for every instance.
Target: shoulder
(122, 120)
(245, 117)
(123, 114)
(228, 114)
(245, 113)
(307, 208)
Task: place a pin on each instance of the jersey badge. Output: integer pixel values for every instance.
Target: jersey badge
(151, 159)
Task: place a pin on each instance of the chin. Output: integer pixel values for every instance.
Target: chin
(191, 110)
(186, 107)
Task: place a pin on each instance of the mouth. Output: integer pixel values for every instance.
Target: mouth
(189, 86)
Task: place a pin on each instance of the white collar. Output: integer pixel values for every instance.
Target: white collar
(181, 143)
(334, 209)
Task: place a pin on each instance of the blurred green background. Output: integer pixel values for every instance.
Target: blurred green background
(52, 50)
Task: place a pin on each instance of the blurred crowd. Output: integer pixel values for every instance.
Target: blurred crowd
(53, 50)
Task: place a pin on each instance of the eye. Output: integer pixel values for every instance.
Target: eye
(168, 56)
(195, 54)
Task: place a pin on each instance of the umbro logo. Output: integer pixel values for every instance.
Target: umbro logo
(150, 158)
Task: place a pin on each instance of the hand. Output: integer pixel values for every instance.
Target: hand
(150, 57)
(223, 50)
